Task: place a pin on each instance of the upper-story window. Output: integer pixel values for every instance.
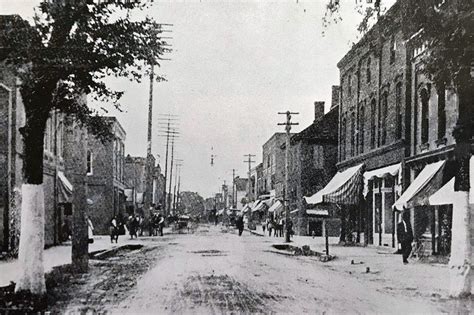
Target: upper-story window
(398, 110)
(441, 112)
(368, 71)
(349, 85)
(89, 161)
(343, 139)
(383, 118)
(353, 134)
(393, 49)
(373, 115)
(361, 128)
(318, 156)
(425, 100)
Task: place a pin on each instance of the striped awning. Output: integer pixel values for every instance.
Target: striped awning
(258, 206)
(344, 188)
(65, 187)
(276, 207)
(424, 185)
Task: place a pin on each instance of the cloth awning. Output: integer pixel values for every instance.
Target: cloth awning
(268, 202)
(445, 195)
(65, 188)
(276, 207)
(392, 170)
(259, 206)
(246, 208)
(344, 188)
(320, 212)
(424, 185)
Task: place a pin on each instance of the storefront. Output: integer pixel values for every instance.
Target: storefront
(381, 189)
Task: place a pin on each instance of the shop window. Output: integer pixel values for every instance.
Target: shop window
(377, 212)
(388, 215)
(424, 98)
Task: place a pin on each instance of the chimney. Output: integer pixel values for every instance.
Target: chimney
(318, 110)
(336, 94)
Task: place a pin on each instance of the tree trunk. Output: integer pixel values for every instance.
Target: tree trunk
(75, 162)
(461, 273)
(30, 254)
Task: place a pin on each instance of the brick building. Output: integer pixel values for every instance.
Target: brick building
(105, 178)
(312, 163)
(397, 126)
(61, 142)
(274, 165)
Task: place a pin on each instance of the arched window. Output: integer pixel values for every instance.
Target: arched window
(441, 112)
(361, 128)
(343, 139)
(373, 115)
(353, 134)
(425, 124)
(398, 110)
(368, 70)
(349, 85)
(383, 119)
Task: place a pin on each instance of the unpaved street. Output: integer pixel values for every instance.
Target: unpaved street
(216, 271)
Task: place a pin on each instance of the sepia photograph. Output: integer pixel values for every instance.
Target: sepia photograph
(236, 157)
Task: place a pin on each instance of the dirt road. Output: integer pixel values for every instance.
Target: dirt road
(213, 272)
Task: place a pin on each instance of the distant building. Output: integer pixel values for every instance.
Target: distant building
(312, 163)
(274, 165)
(240, 192)
(105, 178)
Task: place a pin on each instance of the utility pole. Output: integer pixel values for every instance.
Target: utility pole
(234, 206)
(168, 130)
(147, 196)
(179, 184)
(249, 161)
(287, 125)
(175, 198)
(171, 173)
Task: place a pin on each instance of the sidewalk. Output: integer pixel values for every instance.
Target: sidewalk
(61, 255)
(430, 279)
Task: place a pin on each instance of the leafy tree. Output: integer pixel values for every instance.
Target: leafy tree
(447, 28)
(68, 51)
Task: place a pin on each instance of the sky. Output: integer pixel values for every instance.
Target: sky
(234, 66)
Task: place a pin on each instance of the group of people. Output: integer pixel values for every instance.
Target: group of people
(276, 226)
(136, 226)
(156, 224)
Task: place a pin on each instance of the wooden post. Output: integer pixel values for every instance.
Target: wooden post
(326, 236)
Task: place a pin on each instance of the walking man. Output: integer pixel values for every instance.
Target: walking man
(240, 224)
(405, 235)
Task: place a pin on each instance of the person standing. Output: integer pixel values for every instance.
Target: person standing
(270, 227)
(405, 235)
(161, 223)
(240, 224)
(114, 232)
